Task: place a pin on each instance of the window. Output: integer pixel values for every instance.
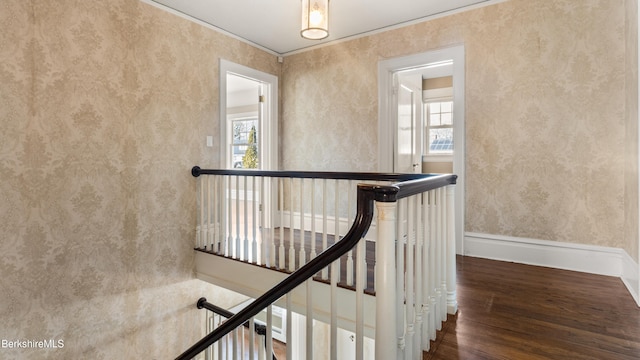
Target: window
(244, 147)
(439, 128)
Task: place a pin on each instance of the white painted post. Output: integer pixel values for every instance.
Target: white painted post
(209, 205)
(349, 265)
(302, 258)
(385, 276)
(452, 302)
(433, 265)
(199, 238)
(409, 279)
(443, 253)
(252, 339)
(292, 250)
(401, 241)
(281, 263)
(216, 214)
(313, 219)
(245, 204)
(269, 336)
(360, 285)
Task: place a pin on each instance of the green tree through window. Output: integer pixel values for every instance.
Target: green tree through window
(250, 158)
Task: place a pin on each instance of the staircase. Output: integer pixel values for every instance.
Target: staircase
(364, 254)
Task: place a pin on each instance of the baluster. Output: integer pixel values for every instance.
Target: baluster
(333, 347)
(325, 271)
(222, 235)
(229, 212)
(269, 338)
(255, 252)
(292, 250)
(443, 253)
(349, 265)
(273, 196)
(422, 274)
(289, 325)
(200, 208)
(452, 302)
(241, 343)
(386, 332)
(361, 271)
(245, 221)
(262, 346)
(302, 258)
(205, 208)
(281, 203)
(260, 243)
(234, 345)
(221, 347)
(313, 219)
(400, 290)
(409, 296)
(215, 246)
(433, 266)
(237, 241)
(252, 338)
(336, 237)
(309, 321)
(438, 258)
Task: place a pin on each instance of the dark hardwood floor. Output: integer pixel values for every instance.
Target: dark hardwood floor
(513, 311)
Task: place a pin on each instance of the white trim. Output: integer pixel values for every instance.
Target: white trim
(631, 276)
(328, 43)
(636, 283)
(208, 25)
(269, 128)
(560, 255)
(386, 128)
(396, 26)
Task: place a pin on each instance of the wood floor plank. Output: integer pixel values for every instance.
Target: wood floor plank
(515, 311)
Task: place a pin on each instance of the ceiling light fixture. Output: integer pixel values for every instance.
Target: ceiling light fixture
(315, 19)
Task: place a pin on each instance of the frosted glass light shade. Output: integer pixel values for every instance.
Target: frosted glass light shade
(315, 19)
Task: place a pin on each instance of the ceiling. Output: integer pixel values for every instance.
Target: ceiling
(274, 25)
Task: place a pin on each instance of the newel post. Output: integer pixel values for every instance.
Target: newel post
(385, 278)
(452, 301)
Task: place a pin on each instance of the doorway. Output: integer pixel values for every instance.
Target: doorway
(248, 118)
(428, 65)
(249, 141)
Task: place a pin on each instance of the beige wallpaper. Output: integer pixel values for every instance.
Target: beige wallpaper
(631, 124)
(545, 114)
(104, 108)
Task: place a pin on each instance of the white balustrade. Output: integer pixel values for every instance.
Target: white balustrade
(283, 223)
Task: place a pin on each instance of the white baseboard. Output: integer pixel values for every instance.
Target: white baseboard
(560, 255)
(631, 276)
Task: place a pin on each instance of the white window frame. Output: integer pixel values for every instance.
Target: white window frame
(427, 155)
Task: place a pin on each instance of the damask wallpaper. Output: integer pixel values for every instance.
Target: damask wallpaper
(545, 114)
(105, 105)
(104, 108)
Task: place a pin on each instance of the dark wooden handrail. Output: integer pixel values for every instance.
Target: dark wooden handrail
(259, 329)
(204, 304)
(406, 185)
(333, 175)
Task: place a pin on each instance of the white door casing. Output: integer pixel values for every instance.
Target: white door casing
(386, 118)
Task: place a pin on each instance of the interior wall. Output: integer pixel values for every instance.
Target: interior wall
(631, 133)
(545, 113)
(104, 108)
